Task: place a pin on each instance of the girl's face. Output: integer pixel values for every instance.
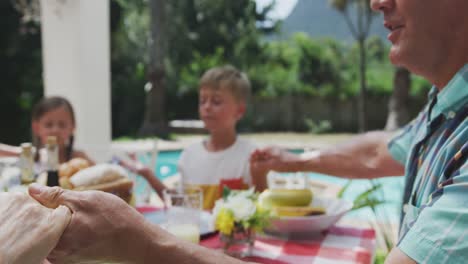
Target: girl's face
(57, 122)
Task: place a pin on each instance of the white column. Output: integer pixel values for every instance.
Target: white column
(76, 60)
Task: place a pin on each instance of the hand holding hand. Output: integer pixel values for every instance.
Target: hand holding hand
(274, 158)
(102, 226)
(28, 230)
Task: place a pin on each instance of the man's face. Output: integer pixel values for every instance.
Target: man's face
(422, 32)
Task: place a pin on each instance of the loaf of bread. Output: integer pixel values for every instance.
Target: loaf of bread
(103, 177)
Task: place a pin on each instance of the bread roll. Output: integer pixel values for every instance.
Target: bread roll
(65, 170)
(103, 177)
(71, 167)
(122, 188)
(79, 163)
(99, 174)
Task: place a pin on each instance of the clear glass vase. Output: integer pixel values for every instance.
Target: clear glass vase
(239, 243)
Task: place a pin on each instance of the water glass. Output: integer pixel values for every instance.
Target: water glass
(183, 207)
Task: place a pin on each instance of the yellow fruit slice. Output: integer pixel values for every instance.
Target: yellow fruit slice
(298, 210)
(286, 197)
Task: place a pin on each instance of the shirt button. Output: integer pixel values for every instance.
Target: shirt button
(405, 208)
(451, 114)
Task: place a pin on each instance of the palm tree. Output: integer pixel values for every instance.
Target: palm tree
(155, 120)
(360, 32)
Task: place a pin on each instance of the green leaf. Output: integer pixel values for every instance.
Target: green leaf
(380, 256)
(226, 192)
(345, 187)
(372, 203)
(368, 192)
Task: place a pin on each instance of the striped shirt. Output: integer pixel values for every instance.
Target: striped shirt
(434, 150)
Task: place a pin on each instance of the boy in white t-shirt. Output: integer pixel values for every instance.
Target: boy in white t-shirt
(223, 158)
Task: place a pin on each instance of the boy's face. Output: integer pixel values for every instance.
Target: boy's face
(218, 109)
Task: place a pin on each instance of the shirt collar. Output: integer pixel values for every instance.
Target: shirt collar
(452, 97)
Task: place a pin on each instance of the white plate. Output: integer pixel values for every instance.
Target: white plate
(335, 209)
(206, 220)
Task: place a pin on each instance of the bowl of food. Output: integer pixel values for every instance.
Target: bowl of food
(297, 211)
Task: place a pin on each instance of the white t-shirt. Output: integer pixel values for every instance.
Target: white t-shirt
(206, 169)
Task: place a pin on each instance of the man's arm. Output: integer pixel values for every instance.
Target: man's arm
(164, 248)
(105, 228)
(364, 156)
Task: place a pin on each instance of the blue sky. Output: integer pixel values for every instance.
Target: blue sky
(282, 8)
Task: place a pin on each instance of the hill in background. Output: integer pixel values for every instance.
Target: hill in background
(318, 19)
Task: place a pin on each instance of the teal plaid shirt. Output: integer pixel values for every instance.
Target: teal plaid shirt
(434, 150)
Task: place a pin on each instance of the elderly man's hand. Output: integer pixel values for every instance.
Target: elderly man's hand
(274, 158)
(102, 227)
(28, 230)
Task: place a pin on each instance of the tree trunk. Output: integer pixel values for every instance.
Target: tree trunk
(362, 120)
(398, 104)
(155, 121)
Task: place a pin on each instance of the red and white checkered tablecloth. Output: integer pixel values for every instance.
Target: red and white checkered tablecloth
(338, 245)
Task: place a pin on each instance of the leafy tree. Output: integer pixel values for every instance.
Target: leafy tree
(129, 26)
(21, 73)
(360, 31)
(376, 49)
(318, 65)
(191, 29)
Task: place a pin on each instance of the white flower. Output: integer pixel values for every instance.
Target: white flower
(247, 194)
(242, 207)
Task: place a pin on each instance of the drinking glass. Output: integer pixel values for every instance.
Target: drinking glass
(183, 207)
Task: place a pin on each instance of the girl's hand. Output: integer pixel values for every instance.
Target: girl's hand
(136, 167)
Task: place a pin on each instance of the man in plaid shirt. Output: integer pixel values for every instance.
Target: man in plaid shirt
(430, 38)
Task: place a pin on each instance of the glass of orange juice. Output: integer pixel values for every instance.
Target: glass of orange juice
(183, 207)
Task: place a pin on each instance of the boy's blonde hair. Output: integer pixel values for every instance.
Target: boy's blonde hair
(227, 77)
